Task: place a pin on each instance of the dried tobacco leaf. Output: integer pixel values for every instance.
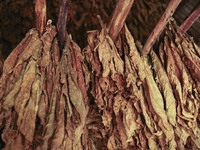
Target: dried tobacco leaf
(162, 54)
(155, 100)
(192, 61)
(100, 97)
(137, 91)
(109, 56)
(187, 87)
(177, 48)
(166, 88)
(187, 83)
(129, 119)
(134, 54)
(149, 78)
(25, 80)
(36, 95)
(197, 49)
(55, 96)
(74, 95)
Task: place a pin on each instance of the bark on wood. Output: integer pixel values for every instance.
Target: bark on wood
(191, 19)
(119, 16)
(61, 24)
(160, 25)
(40, 14)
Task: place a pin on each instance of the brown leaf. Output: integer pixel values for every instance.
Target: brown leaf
(50, 123)
(60, 126)
(108, 56)
(197, 49)
(134, 55)
(162, 54)
(129, 120)
(165, 87)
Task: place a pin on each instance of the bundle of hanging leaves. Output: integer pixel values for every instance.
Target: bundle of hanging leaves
(42, 94)
(106, 96)
(145, 102)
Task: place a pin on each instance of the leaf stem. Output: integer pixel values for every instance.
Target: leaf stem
(61, 23)
(40, 12)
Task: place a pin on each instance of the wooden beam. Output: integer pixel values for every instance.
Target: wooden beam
(169, 11)
(191, 19)
(40, 13)
(119, 16)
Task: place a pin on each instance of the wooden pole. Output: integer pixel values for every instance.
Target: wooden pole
(120, 14)
(40, 13)
(191, 19)
(61, 23)
(161, 25)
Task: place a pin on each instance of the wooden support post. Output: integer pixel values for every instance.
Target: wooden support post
(161, 25)
(119, 16)
(40, 13)
(191, 19)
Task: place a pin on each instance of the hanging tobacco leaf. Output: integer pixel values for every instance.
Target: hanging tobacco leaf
(106, 96)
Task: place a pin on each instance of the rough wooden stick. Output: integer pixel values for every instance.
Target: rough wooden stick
(161, 25)
(119, 16)
(191, 19)
(61, 24)
(40, 12)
